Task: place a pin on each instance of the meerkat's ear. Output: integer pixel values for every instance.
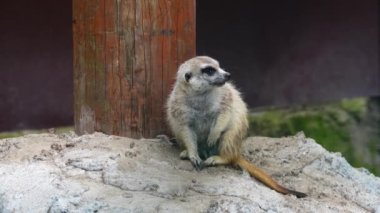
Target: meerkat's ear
(187, 76)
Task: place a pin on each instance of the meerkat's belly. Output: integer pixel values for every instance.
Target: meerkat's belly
(201, 125)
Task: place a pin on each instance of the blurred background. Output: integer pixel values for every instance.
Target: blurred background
(310, 66)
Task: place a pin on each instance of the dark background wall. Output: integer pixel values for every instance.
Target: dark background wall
(35, 64)
(294, 51)
(279, 52)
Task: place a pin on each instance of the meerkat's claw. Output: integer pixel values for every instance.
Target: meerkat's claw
(197, 163)
(202, 165)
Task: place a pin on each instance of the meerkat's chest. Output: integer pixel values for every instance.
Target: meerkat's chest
(202, 121)
(201, 124)
(202, 117)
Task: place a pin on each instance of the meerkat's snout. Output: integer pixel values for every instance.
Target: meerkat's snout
(222, 79)
(227, 76)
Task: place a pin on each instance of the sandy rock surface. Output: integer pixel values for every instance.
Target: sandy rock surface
(101, 173)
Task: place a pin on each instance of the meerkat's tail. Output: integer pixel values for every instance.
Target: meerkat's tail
(265, 178)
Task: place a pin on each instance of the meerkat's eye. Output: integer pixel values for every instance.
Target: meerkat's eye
(209, 70)
(187, 76)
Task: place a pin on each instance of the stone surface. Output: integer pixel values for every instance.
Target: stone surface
(101, 173)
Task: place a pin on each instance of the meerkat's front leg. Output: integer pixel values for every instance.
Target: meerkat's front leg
(189, 141)
(215, 135)
(220, 126)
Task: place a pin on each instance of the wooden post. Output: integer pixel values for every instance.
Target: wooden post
(126, 53)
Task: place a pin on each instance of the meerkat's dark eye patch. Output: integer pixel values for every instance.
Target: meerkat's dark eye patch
(187, 76)
(209, 70)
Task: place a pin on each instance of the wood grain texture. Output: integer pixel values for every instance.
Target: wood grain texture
(126, 53)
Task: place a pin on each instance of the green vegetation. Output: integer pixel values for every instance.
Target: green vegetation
(335, 126)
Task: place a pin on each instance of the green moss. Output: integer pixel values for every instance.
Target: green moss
(356, 107)
(315, 125)
(270, 123)
(322, 129)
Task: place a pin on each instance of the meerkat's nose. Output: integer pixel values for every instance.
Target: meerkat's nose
(227, 76)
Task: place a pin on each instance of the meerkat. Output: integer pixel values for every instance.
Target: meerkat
(208, 118)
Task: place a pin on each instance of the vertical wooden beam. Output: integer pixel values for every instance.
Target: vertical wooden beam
(126, 53)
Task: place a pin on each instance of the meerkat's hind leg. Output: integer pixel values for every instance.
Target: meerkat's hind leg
(215, 160)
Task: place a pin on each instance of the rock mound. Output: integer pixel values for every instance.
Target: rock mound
(101, 173)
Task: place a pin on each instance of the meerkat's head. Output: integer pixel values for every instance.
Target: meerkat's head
(202, 74)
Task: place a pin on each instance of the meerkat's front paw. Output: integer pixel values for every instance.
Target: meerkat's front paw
(194, 159)
(197, 162)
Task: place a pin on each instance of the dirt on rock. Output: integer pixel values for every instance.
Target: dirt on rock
(101, 173)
